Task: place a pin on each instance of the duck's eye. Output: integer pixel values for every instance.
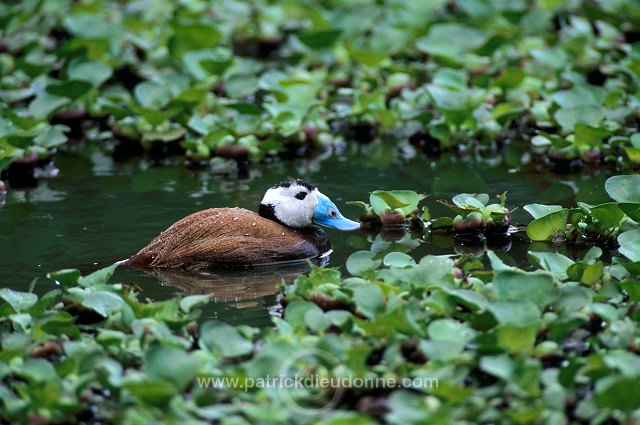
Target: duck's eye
(333, 214)
(301, 195)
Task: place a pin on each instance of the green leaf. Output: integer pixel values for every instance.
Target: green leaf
(624, 188)
(537, 287)
(618, 392)
(43, 106)
(630, 244)
(631, 209)
(471, 200)
(171, 364)
(320, 39)
(71, 89)
(37, 371)
(362, 263)
(65, 277)
(451, 41)
(92, 71)
(609, 215)
(369, 299)
(522, 313)
(633, 154)
(103, 302)
(189, 35)
(590, 137)
(398, 259)
(591, 115)
(499, 366)
(98, 277)
(552, 261)
(540, 210)
(224, 339)
(152, 95)
(510, 78)
(404, 200)
(189, 302)
(19, 301)
(545, 227)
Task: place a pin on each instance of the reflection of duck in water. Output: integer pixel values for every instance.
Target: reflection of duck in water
(238, 288)
(283, 231)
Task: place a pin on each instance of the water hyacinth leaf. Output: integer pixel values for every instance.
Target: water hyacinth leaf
(587, 136)
(103, 302)
(441, 350)
(191, 301)
(630, 244)
(404, 200)
(452, 79)
(152, 95)
(609, 215)
(505, 112)
(36, 371)
(618, 392)
(496, 262)
(450, 330)
(579, 95)
(590, 115)
(224, 339)
(586, 273)
(543, 228)
(407, 408)
(510, 78)
(522, 313)
(65, 277)
(43, 106)
(631, 209)
(369, 300)
(296, 311)
(499, 366)
(155, 393)
(203, 63)
(171, 364)
(188, 36)
(471, 200)
(470, 299)
(633, 154)
(632, 288)
(320, 39)
(624, 188)
(540, 210)
(362, 263)
(398, 259)
(554, 262)
(537, 287)
(52, 137)
(71, 89)
(98, 277)
(451, 41)
(19, 301)
(92, 71)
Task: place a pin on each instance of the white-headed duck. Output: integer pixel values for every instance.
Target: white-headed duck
(283, 230)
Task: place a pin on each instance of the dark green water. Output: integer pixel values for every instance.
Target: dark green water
(96, 212)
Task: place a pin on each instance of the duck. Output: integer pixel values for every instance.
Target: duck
(285, 229)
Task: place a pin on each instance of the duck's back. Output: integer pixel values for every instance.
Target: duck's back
(229, 237)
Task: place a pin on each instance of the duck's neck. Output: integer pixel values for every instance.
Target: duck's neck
(269, 211)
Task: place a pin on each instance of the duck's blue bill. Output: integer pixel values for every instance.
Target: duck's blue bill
(327, 214)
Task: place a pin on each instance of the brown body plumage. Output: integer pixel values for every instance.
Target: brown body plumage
(229, 237)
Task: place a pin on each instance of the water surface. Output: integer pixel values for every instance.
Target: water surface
(97, 211)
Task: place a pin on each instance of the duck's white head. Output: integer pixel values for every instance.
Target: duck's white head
(296, 203)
